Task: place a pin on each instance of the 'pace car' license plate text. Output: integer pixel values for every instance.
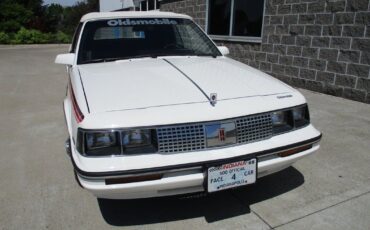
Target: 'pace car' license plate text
(231, 175)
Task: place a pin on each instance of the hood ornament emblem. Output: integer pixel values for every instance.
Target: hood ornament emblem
(213, 98)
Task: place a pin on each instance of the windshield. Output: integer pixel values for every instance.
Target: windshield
(115, 39)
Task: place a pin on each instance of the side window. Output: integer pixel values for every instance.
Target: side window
(75, 38)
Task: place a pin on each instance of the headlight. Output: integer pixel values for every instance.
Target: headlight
(137, 141)
(289, 119)
(116, 142)
(102, 143)
(281, 121)
(301, 116)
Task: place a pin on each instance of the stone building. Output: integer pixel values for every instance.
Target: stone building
(321, 45)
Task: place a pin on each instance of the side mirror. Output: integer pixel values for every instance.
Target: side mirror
(224, 50)
(65, 59)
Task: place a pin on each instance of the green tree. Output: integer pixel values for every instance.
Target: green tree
(73, 14)
(13, 16)
(53, 17)
(29, 21)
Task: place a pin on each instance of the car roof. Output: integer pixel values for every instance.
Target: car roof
(131, 14)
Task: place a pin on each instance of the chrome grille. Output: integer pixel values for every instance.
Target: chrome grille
(254, 128)
(183, 138)
(187, 138)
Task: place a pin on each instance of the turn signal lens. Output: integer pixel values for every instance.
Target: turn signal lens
(294, 151)
(133, 179)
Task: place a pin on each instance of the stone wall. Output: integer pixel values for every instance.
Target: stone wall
(321, 45)
(194, 8)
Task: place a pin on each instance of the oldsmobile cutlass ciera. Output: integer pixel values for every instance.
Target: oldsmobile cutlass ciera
(155, 108)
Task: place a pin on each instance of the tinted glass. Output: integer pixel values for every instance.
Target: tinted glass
(248, 15)
(109, 40)
(219, 17)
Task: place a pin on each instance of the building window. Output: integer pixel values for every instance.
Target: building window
(235, 20)
(146, 5)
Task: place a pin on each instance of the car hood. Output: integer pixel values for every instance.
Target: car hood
(154, 82)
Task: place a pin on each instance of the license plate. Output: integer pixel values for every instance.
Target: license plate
(232, 175)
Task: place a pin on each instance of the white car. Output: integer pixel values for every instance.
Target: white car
(155, 108)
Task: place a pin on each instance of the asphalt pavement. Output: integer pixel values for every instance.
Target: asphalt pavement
(327, 190)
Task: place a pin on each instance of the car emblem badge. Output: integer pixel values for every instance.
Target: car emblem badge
(221, 134)
(213, 98)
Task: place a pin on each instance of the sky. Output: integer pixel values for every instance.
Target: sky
(61, 2)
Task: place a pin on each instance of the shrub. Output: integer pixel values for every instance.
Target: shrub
(4, 38)
(24, 36)
(61, 37)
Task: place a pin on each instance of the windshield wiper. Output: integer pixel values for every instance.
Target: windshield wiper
(140, 56)
(97, 60)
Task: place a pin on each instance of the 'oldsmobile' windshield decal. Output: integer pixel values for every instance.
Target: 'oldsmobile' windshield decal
(133, 22)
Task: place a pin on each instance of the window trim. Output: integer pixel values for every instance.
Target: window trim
(231, 37)
(75, 38)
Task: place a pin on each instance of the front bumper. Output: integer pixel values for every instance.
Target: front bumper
(188, 176)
